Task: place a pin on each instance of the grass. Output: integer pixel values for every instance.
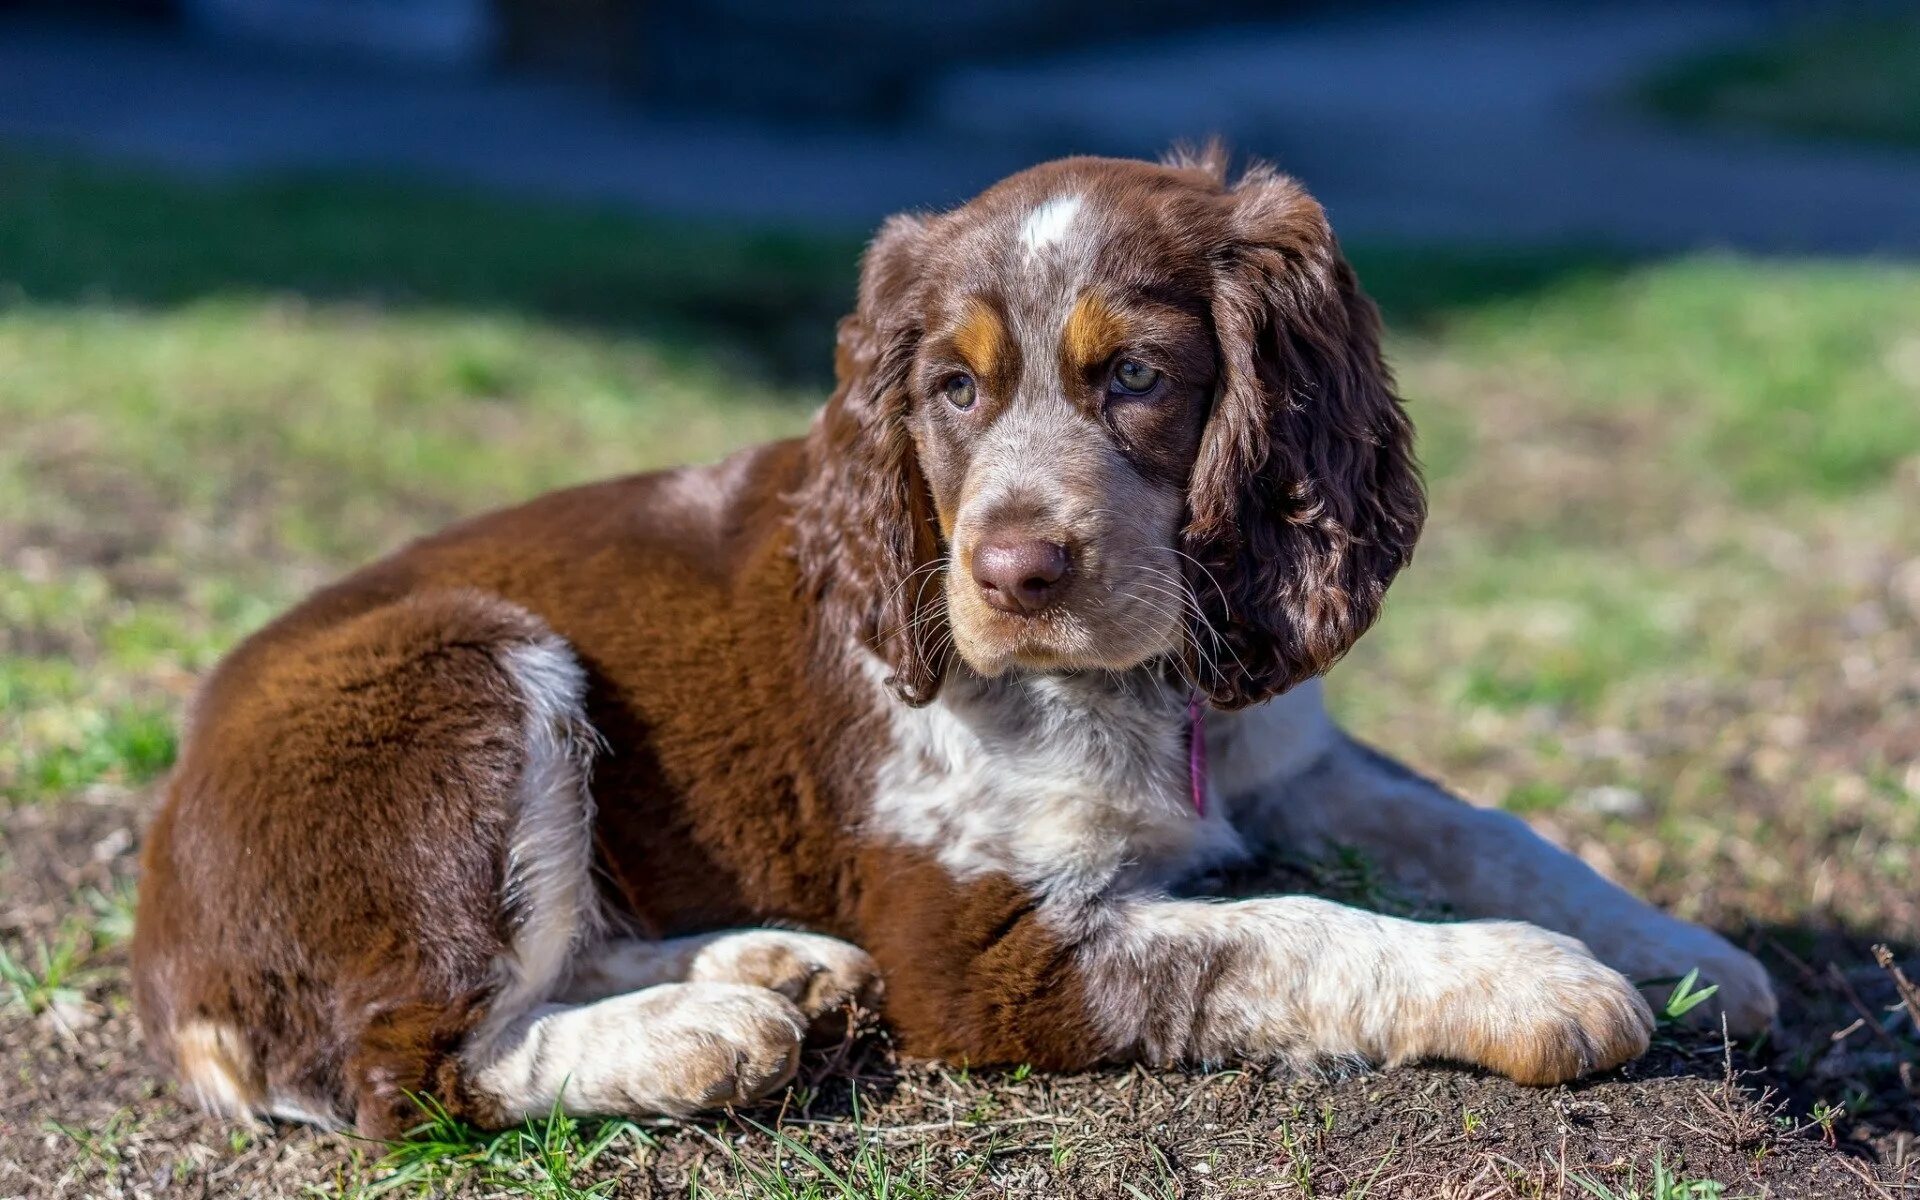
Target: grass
(1848, 77)
(1669, 607)
(84, 235)
(541, 1159)
(1662, 1183)
(367, 364)
(795, 1171)
(105, 1145)
(48, 980)
(1687, 996)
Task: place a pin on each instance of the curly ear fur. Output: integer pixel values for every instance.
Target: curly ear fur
(1305, 500)
(864, 529)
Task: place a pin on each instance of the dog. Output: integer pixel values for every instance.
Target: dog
(951, 706)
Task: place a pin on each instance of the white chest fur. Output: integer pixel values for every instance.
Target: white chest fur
(1072, 784)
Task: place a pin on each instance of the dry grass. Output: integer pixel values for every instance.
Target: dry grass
(1669, 608)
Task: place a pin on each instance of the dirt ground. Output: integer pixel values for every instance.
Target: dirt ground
(1695, 1107)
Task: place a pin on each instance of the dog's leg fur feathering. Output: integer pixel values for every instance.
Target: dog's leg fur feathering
(1330, 790)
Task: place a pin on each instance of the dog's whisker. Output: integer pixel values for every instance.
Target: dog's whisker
(920, 613)
(1203, 620)
(1176, 588)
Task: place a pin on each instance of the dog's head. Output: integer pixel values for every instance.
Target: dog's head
(1106, 414)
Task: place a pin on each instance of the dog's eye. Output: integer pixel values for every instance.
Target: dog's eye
(1134, 379)
(959, 391)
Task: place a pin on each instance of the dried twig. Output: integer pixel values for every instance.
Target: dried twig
(955, 1124)
(1866, 1177)
(1860, 1006)
(1909, 995)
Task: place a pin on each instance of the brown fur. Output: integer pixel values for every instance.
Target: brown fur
(976, 977)
(322, 907)
(1313, 502)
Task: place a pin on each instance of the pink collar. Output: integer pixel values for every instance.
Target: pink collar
(1197, 753)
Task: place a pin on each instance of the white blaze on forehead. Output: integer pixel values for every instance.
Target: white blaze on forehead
(1047, 224)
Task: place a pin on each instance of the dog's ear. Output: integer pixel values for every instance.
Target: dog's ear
(1305, 500)
(864, 529)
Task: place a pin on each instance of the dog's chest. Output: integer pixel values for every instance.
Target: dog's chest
(1068, 784)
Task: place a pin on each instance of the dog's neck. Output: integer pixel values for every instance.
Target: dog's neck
(1142, 693)
(1069, 781)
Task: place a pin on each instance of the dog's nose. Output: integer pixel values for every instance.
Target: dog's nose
(1020, 574)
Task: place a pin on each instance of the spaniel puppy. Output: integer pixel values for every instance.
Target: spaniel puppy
(976, 683)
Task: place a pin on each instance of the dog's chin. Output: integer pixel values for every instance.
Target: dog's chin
(995, 643)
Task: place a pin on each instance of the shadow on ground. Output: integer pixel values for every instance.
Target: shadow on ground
(765, 301)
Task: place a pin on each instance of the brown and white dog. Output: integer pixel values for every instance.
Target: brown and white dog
(532, 812)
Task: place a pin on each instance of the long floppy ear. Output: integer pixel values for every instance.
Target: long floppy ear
(863, 520)
(1305, 500)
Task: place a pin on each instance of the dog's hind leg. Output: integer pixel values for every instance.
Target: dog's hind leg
(372, 877)
(673, 1049)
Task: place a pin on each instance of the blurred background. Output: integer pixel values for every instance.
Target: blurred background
(284, 282)
(1535, 121)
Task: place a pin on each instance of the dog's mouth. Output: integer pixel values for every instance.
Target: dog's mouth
(1052, 640)
(1098, 627)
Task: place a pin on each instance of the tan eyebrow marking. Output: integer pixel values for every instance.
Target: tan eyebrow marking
(1093, 331)
(980, 339)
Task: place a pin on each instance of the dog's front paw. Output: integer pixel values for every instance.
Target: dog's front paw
(1535, 1006)
(819, 974)
(713, 1044)
(670, 1050)
(1658, 955)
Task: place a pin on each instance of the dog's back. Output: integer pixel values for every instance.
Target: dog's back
(376, 849)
